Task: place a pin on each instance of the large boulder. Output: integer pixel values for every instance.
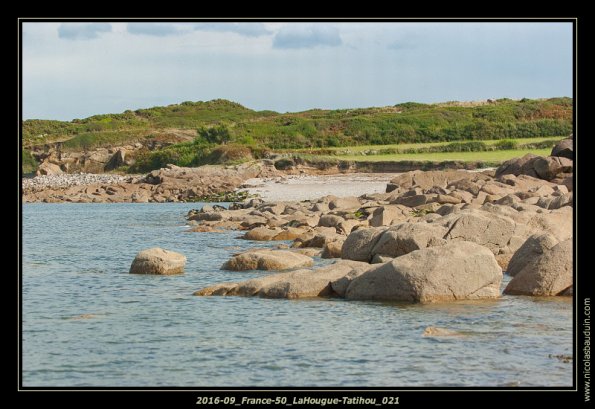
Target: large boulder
(267, 260)
(489, 230)
(294, 284)
(455, 271)
(530, 251)
(158, 261)
(564, 149)
(407, 237)
(550, 274)
(517, 166)
(360, 243)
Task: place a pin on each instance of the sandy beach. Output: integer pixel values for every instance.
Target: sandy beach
(307, 187)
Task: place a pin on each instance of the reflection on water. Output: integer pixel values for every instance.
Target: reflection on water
(86, 321)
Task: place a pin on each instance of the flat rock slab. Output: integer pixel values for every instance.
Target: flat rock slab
(293, 284)
(267, 260)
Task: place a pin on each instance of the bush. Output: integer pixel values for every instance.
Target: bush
(28, 164)
(506, 144)
(228, 154)
(284, 164)
(218, 135)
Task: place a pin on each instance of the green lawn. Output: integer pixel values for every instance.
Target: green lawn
(488, 156)
(404, 146)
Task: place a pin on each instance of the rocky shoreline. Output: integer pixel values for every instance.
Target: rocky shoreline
(170, 184)
(435, 236)
(430, 236)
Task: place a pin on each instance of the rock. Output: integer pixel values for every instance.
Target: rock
(517, 166)
(308, 251)
(530, 251)
(332, 249)
(508, 200)
(340, 285)
(47, 168)
(275, 208)
(503, 260)
(387, 215)
(560, 201)
(201, 228)
(267, 260)
(463, 195)
(407, 237)
(429, 179)
(347, 226)
(465, 185)
(550, 274)
(294, 284)
(330, 220)
(440, 332)
(359, 244)
(492, 231)
(455, 271)
(564, 148)
(557, 222)
(261, 234)
(207, 216)
(378, 259)
(158, 261)
(118, 159)
(546, 168)
(444, 199)
(288, 233)
(411, 201)
(344, 203)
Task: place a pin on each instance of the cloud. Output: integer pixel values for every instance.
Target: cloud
(153, 29)
(244, 29)
(82, 31)
(307, 36)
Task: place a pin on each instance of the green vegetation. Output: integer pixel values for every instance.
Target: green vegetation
(220, 131)
(28, 164)
(490, 157)
(221, 122)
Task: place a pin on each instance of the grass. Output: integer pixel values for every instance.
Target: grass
(405, 146)
(489, 156)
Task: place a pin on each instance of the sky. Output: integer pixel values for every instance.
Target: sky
(75, 70)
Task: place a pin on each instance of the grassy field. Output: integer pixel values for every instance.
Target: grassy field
(489, 156)
(404, 146)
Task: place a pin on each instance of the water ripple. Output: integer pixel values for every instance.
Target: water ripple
(87, 322)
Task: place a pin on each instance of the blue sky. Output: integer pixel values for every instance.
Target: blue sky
(74, 70)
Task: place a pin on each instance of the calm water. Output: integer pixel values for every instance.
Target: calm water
(151, 331)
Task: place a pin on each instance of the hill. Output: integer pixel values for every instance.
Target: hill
(408, 122)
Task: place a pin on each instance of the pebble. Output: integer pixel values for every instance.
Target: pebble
(74, 179)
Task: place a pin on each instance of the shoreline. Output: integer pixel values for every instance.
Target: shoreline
(213, 183)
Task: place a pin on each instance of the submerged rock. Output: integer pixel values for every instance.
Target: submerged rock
(293, 284)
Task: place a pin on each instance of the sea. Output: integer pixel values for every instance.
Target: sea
(87, 322)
